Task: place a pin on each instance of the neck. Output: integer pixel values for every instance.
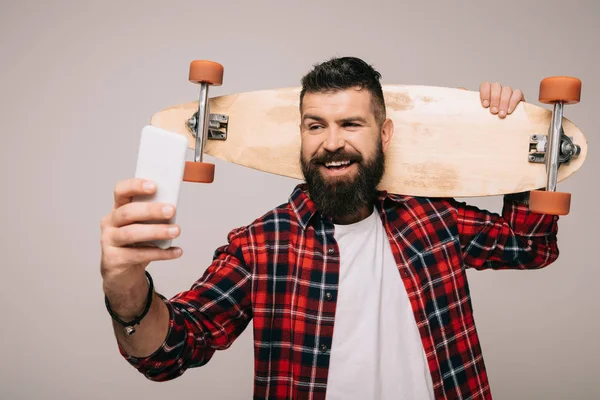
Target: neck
(361, 214)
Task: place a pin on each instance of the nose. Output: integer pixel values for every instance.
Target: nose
(334, 139)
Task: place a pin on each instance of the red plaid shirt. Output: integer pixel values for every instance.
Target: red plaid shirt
(281, 272)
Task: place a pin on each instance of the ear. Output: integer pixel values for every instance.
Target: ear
(387, 132)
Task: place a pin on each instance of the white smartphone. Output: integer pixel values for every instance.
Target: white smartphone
(161, 159)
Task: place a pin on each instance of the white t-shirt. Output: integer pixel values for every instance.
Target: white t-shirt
(376, 351)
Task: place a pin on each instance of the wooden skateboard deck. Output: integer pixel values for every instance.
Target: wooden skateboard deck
(445, 143)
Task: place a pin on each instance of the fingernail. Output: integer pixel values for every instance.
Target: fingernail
(486, 103)
(494, 110)
(173, 231)
(178, 251)
(167, 210)
(148, 186)
(502, 113)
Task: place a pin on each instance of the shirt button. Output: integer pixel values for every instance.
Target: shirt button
(323, 348)
(328, 296)
(330, 251)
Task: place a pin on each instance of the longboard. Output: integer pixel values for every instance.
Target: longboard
(445, 143)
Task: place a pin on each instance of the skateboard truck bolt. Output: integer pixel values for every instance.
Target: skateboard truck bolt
(568, 147)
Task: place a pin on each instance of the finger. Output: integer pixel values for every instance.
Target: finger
(128, 256)
(484, 94)
(141, 212)
(505, 96)
(515, 99)
(125, 190)
(140, 233)
(495, 92)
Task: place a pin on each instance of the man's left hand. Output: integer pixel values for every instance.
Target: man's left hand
(501, 100)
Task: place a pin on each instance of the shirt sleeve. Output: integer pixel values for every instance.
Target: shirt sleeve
(206, 318)
(517, 239)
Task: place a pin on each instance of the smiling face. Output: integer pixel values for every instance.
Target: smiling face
(342, 153)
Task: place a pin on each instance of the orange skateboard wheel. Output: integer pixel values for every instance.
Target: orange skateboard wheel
(552, 203)
(560, 88)
(204, 71)
(199, 172)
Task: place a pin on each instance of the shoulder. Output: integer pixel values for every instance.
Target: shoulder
(277, 220)
(424, 205)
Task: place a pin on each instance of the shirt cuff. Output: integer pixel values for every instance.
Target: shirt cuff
(527, 223)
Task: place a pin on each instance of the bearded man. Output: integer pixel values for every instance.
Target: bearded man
(353, 292)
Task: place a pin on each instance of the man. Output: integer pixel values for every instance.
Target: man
(353, 293)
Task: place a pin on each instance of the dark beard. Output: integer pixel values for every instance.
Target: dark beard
(344, 197)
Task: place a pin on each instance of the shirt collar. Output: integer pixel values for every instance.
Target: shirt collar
(305, 209)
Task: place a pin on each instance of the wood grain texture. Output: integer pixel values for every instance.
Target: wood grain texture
(445, 143)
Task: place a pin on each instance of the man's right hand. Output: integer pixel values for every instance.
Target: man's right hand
(123, 262)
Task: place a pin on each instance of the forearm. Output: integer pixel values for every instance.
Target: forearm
(166, 342)
(536, 235)
(149, 335)
(167, 338)
(128, 301)
(517, 239)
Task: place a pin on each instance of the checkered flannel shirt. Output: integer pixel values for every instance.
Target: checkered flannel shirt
(281, 272)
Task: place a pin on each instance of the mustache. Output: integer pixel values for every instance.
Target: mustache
(337, 156)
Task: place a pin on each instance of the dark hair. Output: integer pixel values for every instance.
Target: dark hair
(345, 73)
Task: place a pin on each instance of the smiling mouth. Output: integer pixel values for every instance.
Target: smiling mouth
(338, 165)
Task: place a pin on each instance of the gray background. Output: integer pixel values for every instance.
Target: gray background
(80, 79)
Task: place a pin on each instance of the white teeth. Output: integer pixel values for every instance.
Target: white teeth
(337, 163)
